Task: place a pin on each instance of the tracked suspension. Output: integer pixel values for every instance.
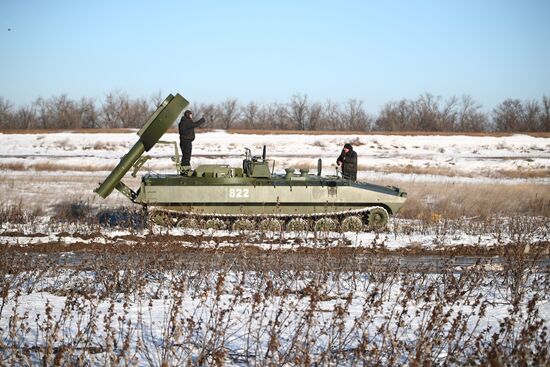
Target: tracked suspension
(354, 220)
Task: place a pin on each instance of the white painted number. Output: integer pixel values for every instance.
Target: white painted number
(239, 193)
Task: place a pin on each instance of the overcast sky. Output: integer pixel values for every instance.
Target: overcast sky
(266, 51)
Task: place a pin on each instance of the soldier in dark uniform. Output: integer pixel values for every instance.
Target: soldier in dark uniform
(348, 161)
(187, 135)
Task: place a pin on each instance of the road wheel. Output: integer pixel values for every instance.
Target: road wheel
(244, 225)
(187, 223)
(326, 225)
(215, 223)
(377, 219)
(352, 224)
(297, 225)
(271, 225)
(161, 219)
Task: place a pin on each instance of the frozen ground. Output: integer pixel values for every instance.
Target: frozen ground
(400, 234)
(43, 170)
(465, 158)
(120, 307)
(46, 169)
(76, 293)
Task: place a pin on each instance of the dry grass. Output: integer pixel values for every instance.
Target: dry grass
(410, 169)
(522, 173)
(439, 171)
(18, 214)
(453, 201)
(55, 131)
(319, 143)
(144, 299)
(147, 306)
(52, 166)
(451, 172)
(100, 145)
(13, 166)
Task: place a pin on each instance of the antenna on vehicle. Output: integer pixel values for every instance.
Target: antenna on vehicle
(319, 166)
(263, 153)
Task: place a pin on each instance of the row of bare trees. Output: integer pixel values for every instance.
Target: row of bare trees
(298, 114)
(117, 110)
(426, 113)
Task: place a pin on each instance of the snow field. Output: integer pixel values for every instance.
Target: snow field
(147, 315)
(75, 292)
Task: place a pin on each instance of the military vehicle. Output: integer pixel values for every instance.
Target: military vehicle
(248, 197)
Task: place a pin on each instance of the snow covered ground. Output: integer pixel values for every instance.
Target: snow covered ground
(141, 309)
(43, 170)
(464, 158)
(131, 302)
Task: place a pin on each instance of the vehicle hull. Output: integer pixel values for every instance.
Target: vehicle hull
(272, 197)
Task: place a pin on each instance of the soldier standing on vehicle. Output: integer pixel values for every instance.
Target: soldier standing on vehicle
(348, 161)
(187, 135)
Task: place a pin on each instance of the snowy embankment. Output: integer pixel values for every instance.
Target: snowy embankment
(516, 158)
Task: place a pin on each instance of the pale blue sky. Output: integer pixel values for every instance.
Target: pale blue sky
(375, 51)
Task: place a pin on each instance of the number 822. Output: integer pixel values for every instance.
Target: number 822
(239, 193)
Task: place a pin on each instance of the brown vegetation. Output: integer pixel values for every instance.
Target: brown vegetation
(285, 132)
(151, 298)
(427, 113)
(452, 172)
(148, 305)
(18, 213)
(479, 201)
(51, 166)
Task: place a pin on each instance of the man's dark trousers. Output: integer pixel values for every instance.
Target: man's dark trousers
(186, 147)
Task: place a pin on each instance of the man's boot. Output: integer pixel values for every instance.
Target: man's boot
(185, 170)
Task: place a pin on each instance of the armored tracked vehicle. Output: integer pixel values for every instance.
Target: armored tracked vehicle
(251, 196)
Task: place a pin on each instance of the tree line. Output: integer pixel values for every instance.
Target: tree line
(425, 113)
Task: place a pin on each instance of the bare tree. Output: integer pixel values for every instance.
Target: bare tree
(58, 112)
(110, 111)
(229, 112)
(315, 116)
(430, 113)
(6, 113)
(544, 123)
(298, 111)
(355, 117)
(426, 113)
(531, 117)
(43, 114)
(272, 116)
(156, 99)
(250, 115)
(448, 115)
(470, 118)
(134, 112)
(331, 118)
(25, 117)
(88, 115)
(265, 117)
(507, 115)
(395, 116)
(66, 112)
(118, 110)
(211, 114)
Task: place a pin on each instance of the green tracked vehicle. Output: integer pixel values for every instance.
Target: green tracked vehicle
(248, 197)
